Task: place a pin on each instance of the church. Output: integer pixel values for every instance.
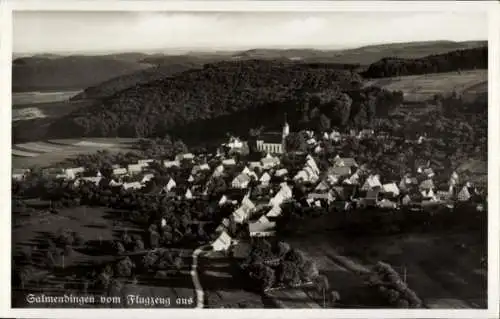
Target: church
(273, 142)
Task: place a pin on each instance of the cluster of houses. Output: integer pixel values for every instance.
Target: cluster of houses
(266, 184)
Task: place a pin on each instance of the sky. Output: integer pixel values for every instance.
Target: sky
(89, 32)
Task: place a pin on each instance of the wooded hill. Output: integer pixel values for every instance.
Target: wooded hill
(222, 97)
(469, 59)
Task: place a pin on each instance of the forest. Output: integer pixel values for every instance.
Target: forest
(230, 97)
(454, 61)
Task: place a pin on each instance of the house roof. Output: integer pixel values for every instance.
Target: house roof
(223, 239)
(390, 188)
(274, 211)
(271, 138)
(339, 171)
(241, 178)
(427, 184)
(261, 227)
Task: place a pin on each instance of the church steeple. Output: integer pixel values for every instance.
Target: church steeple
(285, 133)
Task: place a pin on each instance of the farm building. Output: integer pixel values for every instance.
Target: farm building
(134, 169)
(265, 178)
(184, 157)
(229, 162)
(120, 171)
(133, 185)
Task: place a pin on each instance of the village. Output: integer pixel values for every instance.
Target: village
(268, 183)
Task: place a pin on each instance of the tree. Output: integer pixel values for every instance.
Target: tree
(120, 249)
(178, 263)
(124, 267)
(295, 142)
(154, 239)
(296, 257)
(322, 285)
(139, 245)
(309, 270)
(324, 124)
(262, 277)
(288, 273)
(282, 248)
(334, 297)
(78, 239)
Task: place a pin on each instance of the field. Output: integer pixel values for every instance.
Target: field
(22, 98)
(423, 87)
(45, 153)
(99, 227)
(439, 280)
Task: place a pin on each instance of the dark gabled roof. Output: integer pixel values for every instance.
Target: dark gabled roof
(271, 137)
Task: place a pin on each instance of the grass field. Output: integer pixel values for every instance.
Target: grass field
(443, 275)
(99, 227)
(423, 87)
(45, 153)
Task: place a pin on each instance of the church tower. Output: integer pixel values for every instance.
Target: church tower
(285, 133)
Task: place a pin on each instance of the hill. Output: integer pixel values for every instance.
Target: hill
(42, 73)
(466, 59)
(120, 83)
(423, 87)
(221, 97)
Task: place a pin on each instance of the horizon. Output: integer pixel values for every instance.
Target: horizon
(92, 33)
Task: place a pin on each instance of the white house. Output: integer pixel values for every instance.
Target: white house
(464, 194)
(169, 164)
(265, 178)
(133, 185)
(188, 194)
(146, 178)
(275, 211)
(218, 171)
(241, 215)
(171, 184)
(120, 171)
(224, 225)
(19, 173)
(372, 182)
(222, 200)
(222, 243)
(390, 188)
(241, 181)
(229, 162)
(269, 161)
(134, 169)
(145, 161)
(263, 219)
(281, 172)
(184, 157)
(262, 229)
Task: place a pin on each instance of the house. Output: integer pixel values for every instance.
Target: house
(370, 199)
(188, 194)
(335, 136)
(229, 162)
(184, 157)
(406, 200)
(346, 161)
(171, 184)
(366, 133)
(281, 172)
(263, 219)
(322, 187)
(391, 189)
(134, 169)
(254, 165)
(407, 182)
(92, 179)
(275, 211)
(241, 215)
(241, 181)
(261, 229)
(307, 174)
(282, 195)
(269, 161)
(218, 171)
(339, 171)
(247, 203)
(133, 185)
(428, 194)
(310, 162)
(169, 164)
(223, 226)
(145, 161)
(190, 179)
(387, 204)
(223, 200)
(426, 185)
(119, 171)
(222, 243)
(241, 249)
(246, 171)
(265, 178)
(113, 183)
(327, 197)
(146, 178)
(372, 182)
(311, 141)
(429, 172)
(71, 173)
(464, 194)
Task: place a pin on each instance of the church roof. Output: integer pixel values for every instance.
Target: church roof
(271, 137)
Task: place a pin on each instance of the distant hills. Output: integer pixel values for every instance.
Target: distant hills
(46, 73)
(55, 72)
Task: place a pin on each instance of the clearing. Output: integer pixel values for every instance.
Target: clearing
(417, 88)
(46, 153)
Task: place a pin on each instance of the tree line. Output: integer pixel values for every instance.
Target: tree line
(459, 60)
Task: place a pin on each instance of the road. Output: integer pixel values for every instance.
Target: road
(196, 279)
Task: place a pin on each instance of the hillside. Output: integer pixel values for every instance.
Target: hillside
(221, 97)
(119, 83)
(42, 73)
(458, 60)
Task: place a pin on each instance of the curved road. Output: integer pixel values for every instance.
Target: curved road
(196, 279)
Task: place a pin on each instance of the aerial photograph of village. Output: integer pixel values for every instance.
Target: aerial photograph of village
(249, 160)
